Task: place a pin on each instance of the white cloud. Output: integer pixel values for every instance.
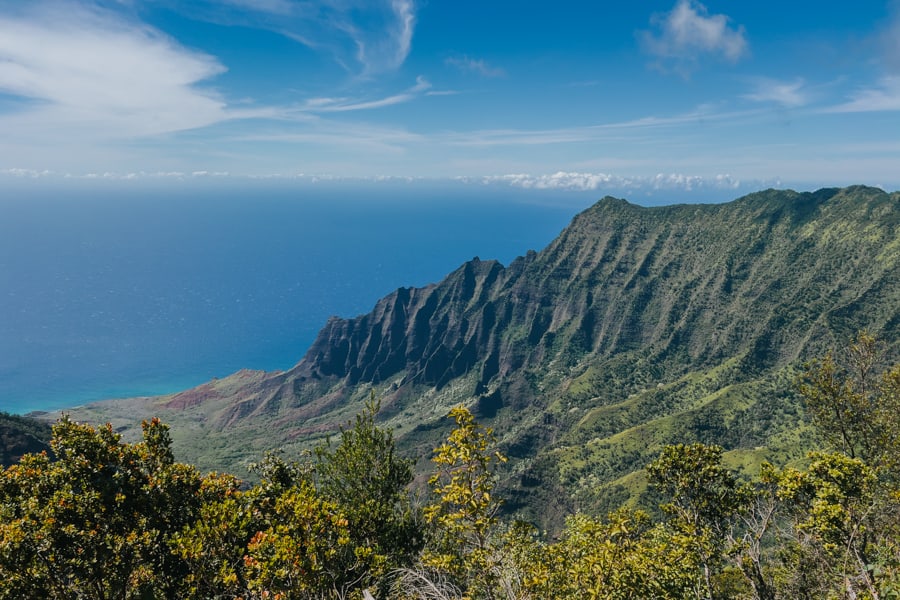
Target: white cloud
(559, 180)
(478, 66)
(590, 133)
(584, 182)
(406, 20)
(348, 137)
(788, 94)
(88, 72)
(26, 173)
(884, 97)
(688, 32)
(384, 46)
(526, 137)
(83, 82)
(884, 94)
(345, 104)
(364, 36)
(278, 7)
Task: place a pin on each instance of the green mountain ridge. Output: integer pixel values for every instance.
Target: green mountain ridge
(635, 328)
(21, 435)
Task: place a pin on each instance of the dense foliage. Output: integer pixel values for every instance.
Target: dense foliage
(111, 520)
(96, 522)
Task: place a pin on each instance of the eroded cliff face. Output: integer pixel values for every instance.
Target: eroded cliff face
(764, 280)
(761, 278)
(434, 334)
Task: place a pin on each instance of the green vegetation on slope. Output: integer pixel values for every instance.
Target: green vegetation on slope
(110, 520)
(21, 435)
(634, 329)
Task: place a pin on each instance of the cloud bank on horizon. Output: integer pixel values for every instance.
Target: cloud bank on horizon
(575, 97)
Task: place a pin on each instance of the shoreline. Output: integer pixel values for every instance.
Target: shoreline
(32, 408)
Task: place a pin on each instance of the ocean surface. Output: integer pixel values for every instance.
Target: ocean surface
(124, 290)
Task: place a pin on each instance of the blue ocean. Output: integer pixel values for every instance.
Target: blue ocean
(124, 290)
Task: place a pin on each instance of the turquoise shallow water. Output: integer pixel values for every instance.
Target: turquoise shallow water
(121, 292)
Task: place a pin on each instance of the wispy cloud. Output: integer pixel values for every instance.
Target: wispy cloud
(86, 71)
(883, 97)
(603, 131)
(688, 33)
(278, 7)
(882, 94)
(789, 94)
(364, 36)
(94, 84)
(323, 105)
(345, 136)
(478, 66)
(404, 11)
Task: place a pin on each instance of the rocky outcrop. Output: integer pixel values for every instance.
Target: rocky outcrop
(434, 334)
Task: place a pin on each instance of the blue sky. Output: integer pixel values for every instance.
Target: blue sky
(563, 95)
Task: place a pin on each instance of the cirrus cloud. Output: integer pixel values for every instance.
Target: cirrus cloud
(366, 37)
(884, 97)
(789, 94)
